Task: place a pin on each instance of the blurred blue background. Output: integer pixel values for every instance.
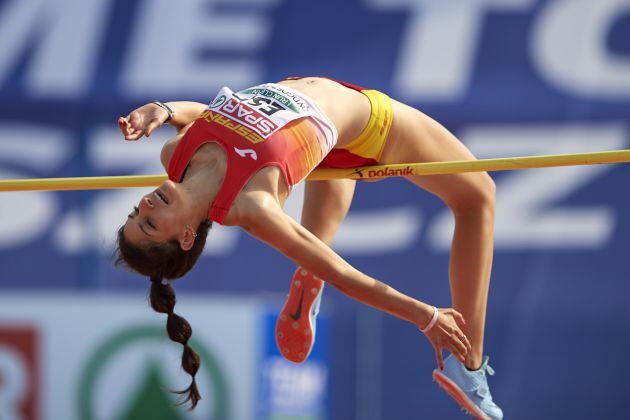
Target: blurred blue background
(508, 77)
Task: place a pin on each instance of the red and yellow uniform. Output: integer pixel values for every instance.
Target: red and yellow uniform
(264, 125)
(272, 124)
(367, 148)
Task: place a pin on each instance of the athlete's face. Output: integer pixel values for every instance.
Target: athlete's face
(161, 216)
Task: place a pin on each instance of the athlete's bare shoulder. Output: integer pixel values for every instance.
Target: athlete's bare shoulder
(171, 144)
(206, 152)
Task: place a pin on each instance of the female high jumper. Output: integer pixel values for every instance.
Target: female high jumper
(235, 161)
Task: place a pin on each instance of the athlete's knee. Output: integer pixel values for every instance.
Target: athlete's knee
(489, 190)
(480, 196)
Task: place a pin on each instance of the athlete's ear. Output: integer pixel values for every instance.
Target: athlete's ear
(187, 238)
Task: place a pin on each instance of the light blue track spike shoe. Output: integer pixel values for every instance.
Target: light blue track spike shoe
(469, 388)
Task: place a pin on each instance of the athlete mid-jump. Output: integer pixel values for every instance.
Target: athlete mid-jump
(235, 162)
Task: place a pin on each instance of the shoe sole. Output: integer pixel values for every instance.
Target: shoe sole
(295, 338)
(459, 396)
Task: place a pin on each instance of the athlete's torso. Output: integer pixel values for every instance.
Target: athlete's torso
(348, 109)
(263, 126)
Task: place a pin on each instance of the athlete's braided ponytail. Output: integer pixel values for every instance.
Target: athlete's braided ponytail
(162, 297)
(168, 260)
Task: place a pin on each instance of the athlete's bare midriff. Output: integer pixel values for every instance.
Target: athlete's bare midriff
(348, 109)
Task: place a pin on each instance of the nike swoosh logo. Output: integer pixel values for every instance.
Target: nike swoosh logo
(298, 313)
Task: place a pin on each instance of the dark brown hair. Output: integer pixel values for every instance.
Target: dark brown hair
(168, 261)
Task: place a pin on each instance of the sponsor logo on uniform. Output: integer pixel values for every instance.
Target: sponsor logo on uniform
(218, 101)
(246, 152)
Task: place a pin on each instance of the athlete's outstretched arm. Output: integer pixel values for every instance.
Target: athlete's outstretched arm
(271, 225)
(144, 120)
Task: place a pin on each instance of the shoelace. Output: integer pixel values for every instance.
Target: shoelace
(483, 391)
(489, 370)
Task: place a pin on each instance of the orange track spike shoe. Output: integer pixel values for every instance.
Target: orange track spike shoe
(295, 327)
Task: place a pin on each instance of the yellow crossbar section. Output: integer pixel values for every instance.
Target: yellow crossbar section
(481, 165)
(366, 172)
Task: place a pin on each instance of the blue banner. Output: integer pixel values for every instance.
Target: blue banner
(508, 77)
(293, 391)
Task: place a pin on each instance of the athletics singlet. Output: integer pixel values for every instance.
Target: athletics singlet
(264, 125)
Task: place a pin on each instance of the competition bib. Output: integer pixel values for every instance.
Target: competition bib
(261, 110)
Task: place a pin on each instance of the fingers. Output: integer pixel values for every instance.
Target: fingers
(155, 123)
(461, 322)
(135, 128)
(135, 135)
(135, 120)
(127, 130)
(438, 356)
(459, 318)
(453, 345)
(123, 125)
(457, 344)
(456, 352)
(466, 342)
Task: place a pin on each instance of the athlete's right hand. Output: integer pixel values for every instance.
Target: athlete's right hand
(447, 334)
(142, 121)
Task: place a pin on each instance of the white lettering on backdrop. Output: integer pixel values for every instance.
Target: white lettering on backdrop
(570, 51)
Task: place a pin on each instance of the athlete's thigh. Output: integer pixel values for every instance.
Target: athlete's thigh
(326, 204)
(416, 137)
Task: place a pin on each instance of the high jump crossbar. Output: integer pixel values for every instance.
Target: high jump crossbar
(366, 172)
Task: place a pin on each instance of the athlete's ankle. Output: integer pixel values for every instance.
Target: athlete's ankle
(473, 363)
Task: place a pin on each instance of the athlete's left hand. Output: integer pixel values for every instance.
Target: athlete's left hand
(142, 121)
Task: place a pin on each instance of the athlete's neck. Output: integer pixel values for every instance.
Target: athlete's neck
(204, 178)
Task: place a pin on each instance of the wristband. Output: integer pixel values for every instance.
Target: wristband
(432, 322)
(166, 108)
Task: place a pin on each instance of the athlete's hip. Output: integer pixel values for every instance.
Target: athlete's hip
(368, 145)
